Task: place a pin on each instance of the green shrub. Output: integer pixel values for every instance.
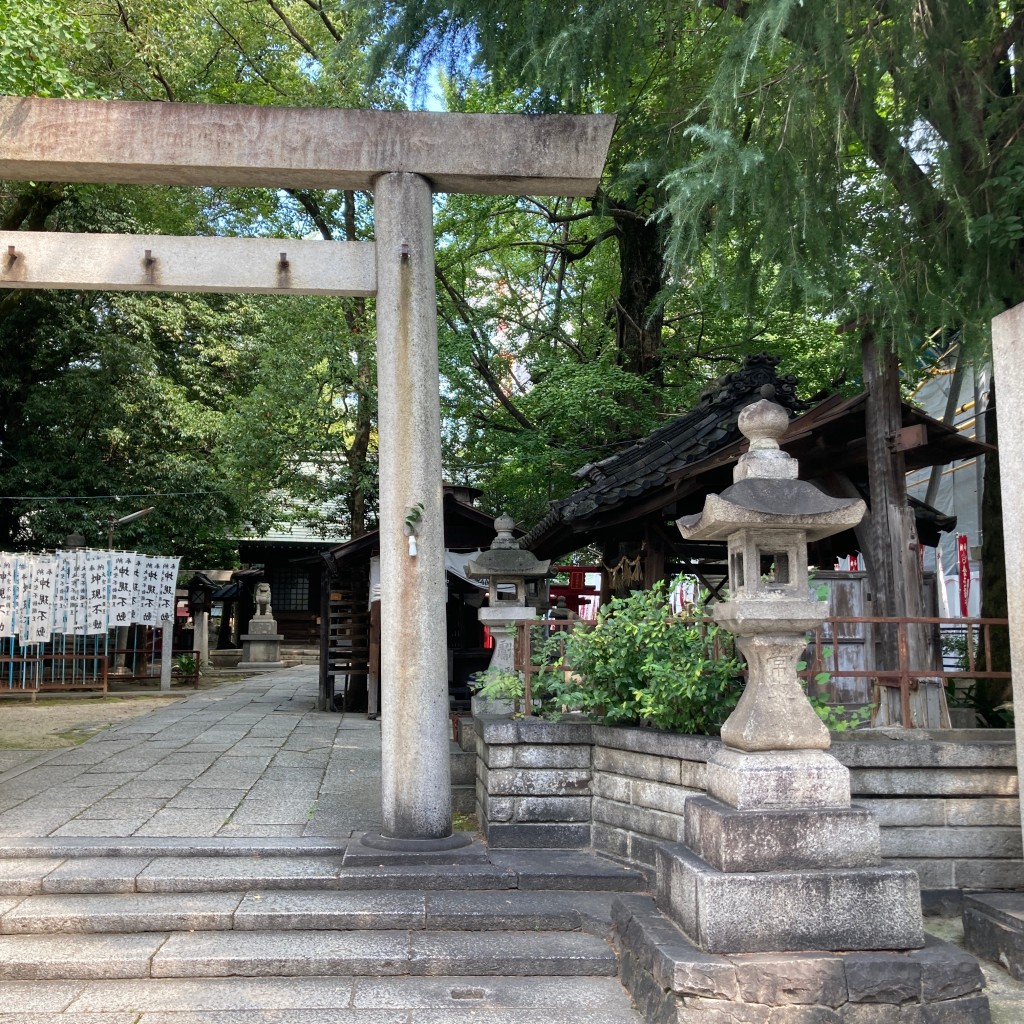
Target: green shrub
(640, 664)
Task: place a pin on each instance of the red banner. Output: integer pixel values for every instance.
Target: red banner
(963, 564)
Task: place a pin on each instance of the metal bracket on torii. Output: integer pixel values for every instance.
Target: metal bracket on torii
(403, 157)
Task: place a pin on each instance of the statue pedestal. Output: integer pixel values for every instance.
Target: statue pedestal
(261, 646)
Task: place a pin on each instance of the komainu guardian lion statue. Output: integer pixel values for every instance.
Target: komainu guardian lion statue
(262, 598)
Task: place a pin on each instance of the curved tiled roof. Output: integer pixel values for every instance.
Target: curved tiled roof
(686, 439)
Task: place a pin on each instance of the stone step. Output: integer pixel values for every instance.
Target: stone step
(320, 1000)
(313, 909)
(124, 868)
(464, 799)
(254, 954)
(463, 766)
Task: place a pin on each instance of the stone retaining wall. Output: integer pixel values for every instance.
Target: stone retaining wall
(947, 806)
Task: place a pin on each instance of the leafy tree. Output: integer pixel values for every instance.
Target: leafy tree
(853, 159)
(187, 383)
(36, 37)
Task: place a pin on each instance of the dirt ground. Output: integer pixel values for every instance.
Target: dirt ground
(56, 722)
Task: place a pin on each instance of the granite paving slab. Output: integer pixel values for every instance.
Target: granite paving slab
(215, 994)
(524, 953)
(258, 831)
(196, 821)
(346, 1016)
(191, 798)
(128, 1017)
(99, 874)
(39, 996)
(103, 827)
(121, 912)
(582, 994)
(330, 910)
(41, 957)
(205, 874)
(277, 954)
(25, 875)
(621, 1014)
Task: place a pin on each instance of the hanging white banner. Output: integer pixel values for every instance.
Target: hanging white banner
(76, 621)
(97, 571)
(44, 599)
(83, 592)
(148, 594)
(23, 568)
(168, 585)
(6, 595)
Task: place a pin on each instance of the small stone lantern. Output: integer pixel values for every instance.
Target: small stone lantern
(508, 569)
(767, 517)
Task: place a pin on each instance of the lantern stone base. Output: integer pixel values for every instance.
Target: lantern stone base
(673, 982)
(746, 841)
(864, 908)
(776, 859)
(785, 779)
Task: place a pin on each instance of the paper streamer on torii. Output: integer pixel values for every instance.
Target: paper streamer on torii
(83, 592)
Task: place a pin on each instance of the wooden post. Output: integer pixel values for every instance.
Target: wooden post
(893, 560)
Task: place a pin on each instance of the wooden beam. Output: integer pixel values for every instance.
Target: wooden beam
(279, 147)
(148, 263)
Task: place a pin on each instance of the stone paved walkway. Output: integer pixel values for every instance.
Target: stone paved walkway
(251, 759)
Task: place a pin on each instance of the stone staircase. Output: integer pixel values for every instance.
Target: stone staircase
(133, 931)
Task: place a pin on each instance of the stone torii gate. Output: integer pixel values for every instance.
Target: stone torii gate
(402, 157)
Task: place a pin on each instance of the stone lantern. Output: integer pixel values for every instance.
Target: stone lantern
(775, 857)
(508, 569)
(767, 517)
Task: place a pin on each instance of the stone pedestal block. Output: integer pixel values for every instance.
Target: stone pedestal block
(673, 982)
(777, 780)
(732, 840)
(754, 912)
(261, 646)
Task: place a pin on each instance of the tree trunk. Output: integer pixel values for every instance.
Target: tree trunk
(638, 313)
(893, 561)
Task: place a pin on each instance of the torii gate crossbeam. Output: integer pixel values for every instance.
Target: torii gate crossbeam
(403, 156)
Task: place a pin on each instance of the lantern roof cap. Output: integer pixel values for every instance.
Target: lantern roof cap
(766, 493)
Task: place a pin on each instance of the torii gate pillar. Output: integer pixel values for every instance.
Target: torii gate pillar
(416, 777)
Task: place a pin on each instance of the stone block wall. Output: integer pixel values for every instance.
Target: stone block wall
(533, 783)
(641, 781)
(946, 802)
(948, 808)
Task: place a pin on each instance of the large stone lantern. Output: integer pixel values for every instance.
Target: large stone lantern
(767, 517)
(508, 569)
(775, 858)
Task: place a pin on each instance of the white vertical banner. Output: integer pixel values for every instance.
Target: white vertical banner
(78, 594)
(24, 566)
(137, 588)
(148, 570)
(122, 588)
(168, 568)
(97, 578)
(62, 604)
(44, 598)
(6, 595)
